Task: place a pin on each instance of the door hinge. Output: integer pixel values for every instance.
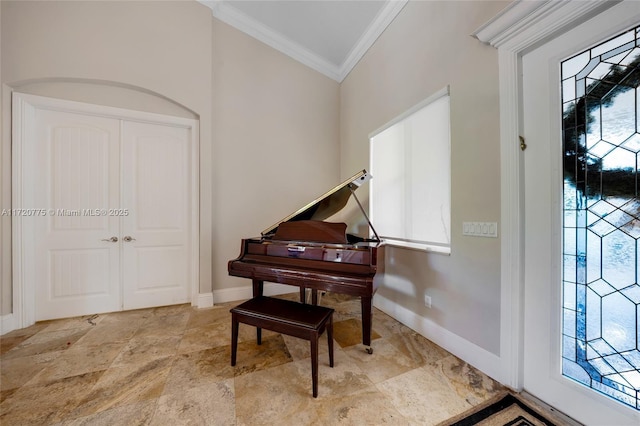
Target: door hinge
(523, 145)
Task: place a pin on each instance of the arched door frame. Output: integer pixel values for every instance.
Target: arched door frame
(23, 118)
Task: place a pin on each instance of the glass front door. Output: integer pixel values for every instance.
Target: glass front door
(582, 219)
(601, 226)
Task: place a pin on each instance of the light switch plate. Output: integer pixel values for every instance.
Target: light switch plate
(480, 229)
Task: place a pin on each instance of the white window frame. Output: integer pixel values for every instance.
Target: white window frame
(443, 247)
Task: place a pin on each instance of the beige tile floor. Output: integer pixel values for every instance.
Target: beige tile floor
(171, 366)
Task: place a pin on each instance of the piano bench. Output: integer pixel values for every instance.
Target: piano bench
(285, 317)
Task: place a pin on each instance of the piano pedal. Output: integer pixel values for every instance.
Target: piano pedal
(308, 295)
(369, 350)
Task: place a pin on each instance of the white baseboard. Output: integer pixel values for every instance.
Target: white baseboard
(480, 358)
(246, 292)
(7, 323)
(204, 300)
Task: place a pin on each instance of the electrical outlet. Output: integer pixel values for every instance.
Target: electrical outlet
(427, 301)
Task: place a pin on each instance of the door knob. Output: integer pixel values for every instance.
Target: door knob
(128, 239)
(111, 240)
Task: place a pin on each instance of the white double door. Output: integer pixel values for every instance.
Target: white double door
(111, 202)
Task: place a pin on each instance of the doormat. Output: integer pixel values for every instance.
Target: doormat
(501, 411)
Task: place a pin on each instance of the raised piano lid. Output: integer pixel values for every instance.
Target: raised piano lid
(327, 204)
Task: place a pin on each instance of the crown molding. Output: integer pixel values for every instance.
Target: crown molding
(513, 15)
(386, 15)
(526, 22)
(268, 36)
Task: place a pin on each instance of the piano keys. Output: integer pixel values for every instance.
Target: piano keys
(306, 251)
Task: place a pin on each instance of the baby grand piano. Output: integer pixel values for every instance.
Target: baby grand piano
(305, 251)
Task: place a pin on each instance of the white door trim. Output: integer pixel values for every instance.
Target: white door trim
(24, 107)
(519, 27)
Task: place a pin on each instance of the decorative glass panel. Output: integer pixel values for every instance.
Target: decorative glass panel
(601, 291)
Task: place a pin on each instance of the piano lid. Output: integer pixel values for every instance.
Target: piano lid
(327, 204)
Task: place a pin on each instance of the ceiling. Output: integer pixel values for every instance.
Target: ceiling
(329, 36)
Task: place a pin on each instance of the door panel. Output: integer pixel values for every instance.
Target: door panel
(156, 172)
(545, 320)
(76, 179)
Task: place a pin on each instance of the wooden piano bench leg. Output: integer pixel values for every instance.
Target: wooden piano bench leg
(314, 363)
(330, 340)
(234, 338)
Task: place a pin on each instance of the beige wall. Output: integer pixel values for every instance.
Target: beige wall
(276, 141)
(426, 48)
(268, 125)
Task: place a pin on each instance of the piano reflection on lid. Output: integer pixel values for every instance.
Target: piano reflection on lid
(304, 250)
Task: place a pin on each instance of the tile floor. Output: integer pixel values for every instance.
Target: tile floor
(171, 366)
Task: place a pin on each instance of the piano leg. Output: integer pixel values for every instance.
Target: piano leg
(258, 290)
(303, 296)
(367, 317)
